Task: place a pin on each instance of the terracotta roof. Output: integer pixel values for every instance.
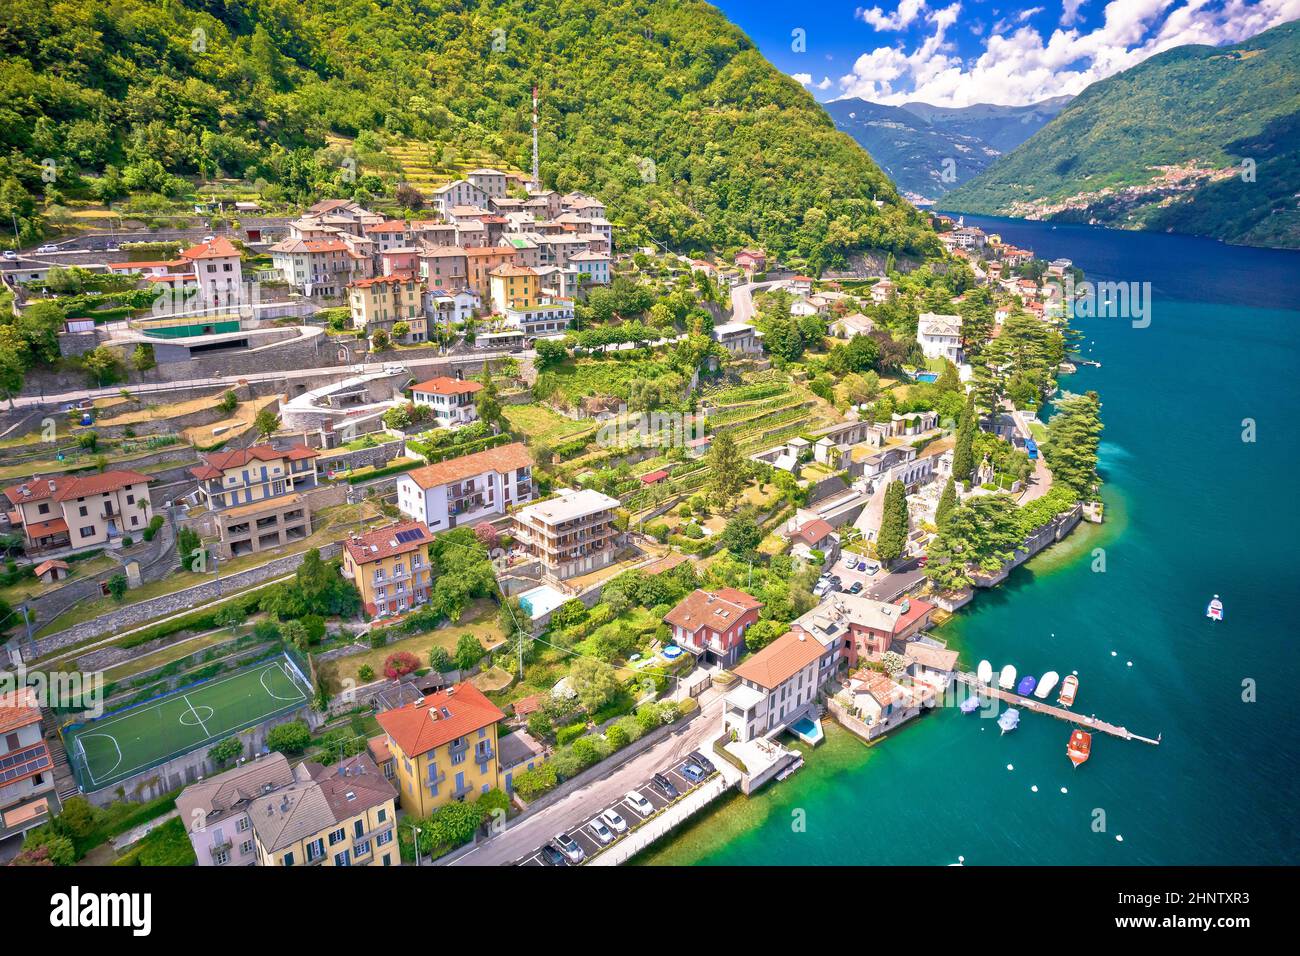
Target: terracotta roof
(479, 251)
(812, 532)
(654, 476)
(527, 705)
(446, 385)
(41, 529)
(65, 487)
(782, 659)
(378, 747)
(384, 542)
(502, 459)
(218, 248)
(509, 269)
(49, 565)
(439, 719)
(221, 461)
(395, 278)
(718, 610)
(235, 788)
(392, 225)
(18, 708)
(927, 655)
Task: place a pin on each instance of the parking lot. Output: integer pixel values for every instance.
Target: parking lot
(586, 839)
(849, 576)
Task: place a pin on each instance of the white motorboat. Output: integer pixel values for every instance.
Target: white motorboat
(984, 673)
(1045, 684)
(1009, 720)
(1007, 679)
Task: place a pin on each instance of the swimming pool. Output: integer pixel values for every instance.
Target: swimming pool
(927, 376)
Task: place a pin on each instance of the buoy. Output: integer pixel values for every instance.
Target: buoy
(1034, 788)
(1113, 654)
(1119, 838)
(1065, 790)
(1011, 766)
(1129, 663)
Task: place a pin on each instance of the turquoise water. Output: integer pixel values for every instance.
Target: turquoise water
(1192, 511)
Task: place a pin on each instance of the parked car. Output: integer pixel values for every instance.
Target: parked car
(393, 368)
(821, 588)
(856, 588)
(664, 786)
(10, 254)
(550, 856)
(601, 832)
(569, 847)
(850, 560)
(48, 248)
(614, 820)
(701, 761)
(639, 803)
(692, 772)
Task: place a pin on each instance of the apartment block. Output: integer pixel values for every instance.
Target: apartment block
(257, 494)
(571, 534)
(450, 399)
(75, 512)
(467, 489)
(27, 797)
(392, 567)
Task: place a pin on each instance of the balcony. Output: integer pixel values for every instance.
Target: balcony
(455, 748)
(484, 754)
(435, 777)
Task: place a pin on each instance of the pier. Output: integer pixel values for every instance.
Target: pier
(1060, 713)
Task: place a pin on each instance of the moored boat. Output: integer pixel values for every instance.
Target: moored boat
(1045, 684)
(1069, 687)
(1079, 747)
(1007, 679)
(984, 673)
(1215, 610)
(970, 705)
(1026, 685)
(1009, 720)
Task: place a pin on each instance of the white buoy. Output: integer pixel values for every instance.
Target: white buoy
(1065, 790)
(1119, 838)
(1113, 654)
(1034, 788)
(1129, 663)
(1011, 766)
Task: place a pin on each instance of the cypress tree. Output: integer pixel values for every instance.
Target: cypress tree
(892, 539)
(963, 455)
(947, 502)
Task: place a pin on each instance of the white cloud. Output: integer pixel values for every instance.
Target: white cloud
(826, 83)
(1031, 12)
(1070, 11)
(907, 11)
(1019, 65)
(803, 79)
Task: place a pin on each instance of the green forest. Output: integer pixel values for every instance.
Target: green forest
(661, 107)
(1236, 106)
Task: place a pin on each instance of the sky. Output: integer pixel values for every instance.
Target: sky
(962, 52)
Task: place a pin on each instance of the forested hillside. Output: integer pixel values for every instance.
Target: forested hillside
(1198, 139)
(661, 107)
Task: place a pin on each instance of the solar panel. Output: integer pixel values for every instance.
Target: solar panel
(410, 534)
(23, 762)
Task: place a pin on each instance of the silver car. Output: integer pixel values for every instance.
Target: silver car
(601, 832)
(614, 820)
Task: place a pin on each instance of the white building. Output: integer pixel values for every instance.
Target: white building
(450, 399)
(738, 337)
(490, 181)
(594, 265)
(776, 685)
(465, 490)
(217, 271)
(940, 336)
(571, 534)
(545, 318)
(458, 192)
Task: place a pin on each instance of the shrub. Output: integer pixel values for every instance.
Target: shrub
(440, 660)
(290, 738)
(618, 737)
(228, 750)
(365, 673)
(400, 664)
(531, 784)
(570, 733)
(539, 725)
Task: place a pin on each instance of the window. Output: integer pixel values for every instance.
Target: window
(343, 859)
(244, 824)
(288, 859)
(246, 847)
(11, 742)
(87, 532)
(315, 850)
(362, 848)
(359, 827)
(382, 815)
(384, 838)
(83, 511)
(221, 858)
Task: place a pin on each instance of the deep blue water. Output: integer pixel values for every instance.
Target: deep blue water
(1193, 510)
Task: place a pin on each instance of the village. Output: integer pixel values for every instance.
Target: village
(379, 539)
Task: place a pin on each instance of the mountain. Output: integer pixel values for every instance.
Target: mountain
(1198, 139)
(912, 142)
(661, 107)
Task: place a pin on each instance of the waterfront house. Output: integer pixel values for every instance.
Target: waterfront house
(392, 567)
(776, 686)
(857, 626)
(444, 747)
(712, 624)
(467, 489)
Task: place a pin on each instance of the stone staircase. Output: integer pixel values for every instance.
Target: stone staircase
(65, 782)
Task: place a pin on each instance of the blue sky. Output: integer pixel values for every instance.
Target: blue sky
(960, 52)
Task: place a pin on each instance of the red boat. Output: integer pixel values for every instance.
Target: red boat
(1079, 747)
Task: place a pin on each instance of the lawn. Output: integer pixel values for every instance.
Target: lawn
(204, 436)
(479, 619)
(28, 588)
(536, 423)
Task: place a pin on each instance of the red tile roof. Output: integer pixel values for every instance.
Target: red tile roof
(812, 532)
(502, 459)
(42, 529)
(719, 610)
(439, 719)
(383, 542)
(218, 248)
(66, 487)
(18, 708)
(654, 476)
(396, 278)
(392, 225)
(782, 659)
(446, 385)
(49, 566)
(221, 461)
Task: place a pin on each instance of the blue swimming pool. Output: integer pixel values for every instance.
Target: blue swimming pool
(927, 376)
(807, 730)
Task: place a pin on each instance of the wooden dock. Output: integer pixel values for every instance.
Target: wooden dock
(1060, 713)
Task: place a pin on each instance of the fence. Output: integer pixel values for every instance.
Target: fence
(662, 823)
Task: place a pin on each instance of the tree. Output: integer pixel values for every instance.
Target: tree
(892, 538)
(190, 548)
(440, 660)
(728, 470)
(13, 364)
(595, 683)
(102, 365)
(486, 400)
(539, 726)
(963, 455)
(117, 587)
(550, 353)
(229, 749)
(295, 633)
(1073, 436)
(143, 358)
(266, 423)
(947, 501)
(400, 664)
(401, 330)
(229, 402)
(741, 536)
(487, 534)
(290, 738)
(469, 651)
(79, 816)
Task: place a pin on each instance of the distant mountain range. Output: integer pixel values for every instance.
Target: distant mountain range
(1199, 139)
(928, 150)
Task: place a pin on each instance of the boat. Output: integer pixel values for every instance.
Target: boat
(984, 673)
(970, 705)
(1009, 720)
(1045, 684)
(1215, 611)
(1007, 679)
(1069, 687)
(1026, 685)
(1079, 747)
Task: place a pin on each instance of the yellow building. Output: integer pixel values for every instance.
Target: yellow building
(391, 567)
(515, 287)
(383, 301)
(344, 815)
(444, 748)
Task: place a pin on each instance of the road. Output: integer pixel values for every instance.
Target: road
(149, 388)
(1041, 482)
(742, 299)
(571, 811)
(896, 582)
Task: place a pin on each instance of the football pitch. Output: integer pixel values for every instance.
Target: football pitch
(114, 747)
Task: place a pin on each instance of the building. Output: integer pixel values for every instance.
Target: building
(520, 751)
(458, 192)
(940, 336)
(257, 495)
(491, 182)
(883, 291)
(311, 815)
(806, 537)
(712, 624)
(592, 265)
(450, 399)
(382, 301)
(514, 287)
(80, 511)
(776, 686)
(738, 338)
(751, 260)
(217, 270)
(321, 267)
(571, 534)
(848, 326)
(856, 626)
(547, 317)
(27, 797)
(467, 489)
(481, 262)
(392, 567)
(444, 267)
(444, 748)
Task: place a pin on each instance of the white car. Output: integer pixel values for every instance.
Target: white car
(10, 254)
(600, 831)
(614, 821)
(48, 249)
(639, 803)
(823, 588)
(392, 368)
